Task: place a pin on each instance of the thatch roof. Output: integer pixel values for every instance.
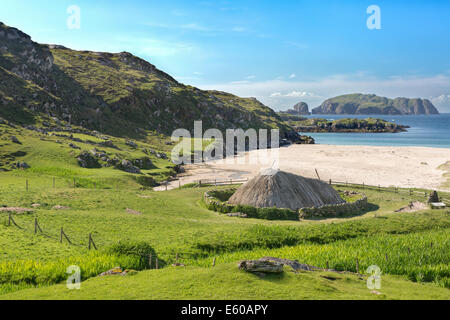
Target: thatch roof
(285, 190)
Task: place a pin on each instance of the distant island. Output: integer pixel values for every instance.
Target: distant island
(369, 125)
(371, 104)
(300, 109)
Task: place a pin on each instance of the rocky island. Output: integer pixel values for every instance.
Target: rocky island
(369, 125)
(371, 104)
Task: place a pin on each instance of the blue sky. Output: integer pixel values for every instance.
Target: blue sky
(281, 52)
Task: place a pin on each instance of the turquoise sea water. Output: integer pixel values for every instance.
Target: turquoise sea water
(425, 131)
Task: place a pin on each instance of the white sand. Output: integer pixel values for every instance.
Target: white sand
(372, 165)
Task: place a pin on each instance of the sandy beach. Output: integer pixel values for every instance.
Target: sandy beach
(372, 165)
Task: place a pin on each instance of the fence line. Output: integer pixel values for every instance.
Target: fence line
(215, 182)
(62, 234)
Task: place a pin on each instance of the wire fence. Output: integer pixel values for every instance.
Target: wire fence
(61, 235)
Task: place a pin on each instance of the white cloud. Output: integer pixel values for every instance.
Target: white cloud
(292, 76)
(239, 82)
(442, 102)
(238, 29)
(195, 27)
(250, 77)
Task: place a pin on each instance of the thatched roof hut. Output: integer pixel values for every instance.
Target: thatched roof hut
(285, 190)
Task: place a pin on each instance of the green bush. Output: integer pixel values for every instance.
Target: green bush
(140, 250)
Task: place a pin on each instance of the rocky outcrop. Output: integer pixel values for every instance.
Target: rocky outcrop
(15, 140)
(369, 125)
(127, 166)
(299, 109)
(87, 160)
(306, 140)
(372, 104)
(302, 108)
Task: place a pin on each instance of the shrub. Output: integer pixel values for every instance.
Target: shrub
(141, 250)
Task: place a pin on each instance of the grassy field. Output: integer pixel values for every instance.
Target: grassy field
(176, 221)
(226, 282)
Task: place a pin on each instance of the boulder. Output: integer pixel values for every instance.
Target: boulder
(15, 140)
(143, 163)
(127, 166)
(261, 266)
(108, 144)
(131, 144)
(21, 165)
(87, 160)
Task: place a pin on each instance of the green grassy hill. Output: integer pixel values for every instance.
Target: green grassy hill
(115, 206)
(118, 94)
(371, 104)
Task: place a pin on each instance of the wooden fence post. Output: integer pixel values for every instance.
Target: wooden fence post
(386, 256)
(157, 263)
(91, 242)
(317, 173)
(9, 219)
(330, 181)
(328, 265)
(27, 185)
(214, 262)
(150, 262)
(35, 225)
(61, 235)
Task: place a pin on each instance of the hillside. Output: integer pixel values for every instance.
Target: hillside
(372, 104)
(118, 94)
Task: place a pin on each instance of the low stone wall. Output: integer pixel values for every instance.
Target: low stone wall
(335, 210)
(327, 211)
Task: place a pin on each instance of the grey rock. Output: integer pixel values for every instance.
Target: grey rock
(261, 266)
(15, 140)
(127, 166)
(131, 144)
(22, 165)
(87, 160)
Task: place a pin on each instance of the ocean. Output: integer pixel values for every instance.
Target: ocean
(425, 131)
